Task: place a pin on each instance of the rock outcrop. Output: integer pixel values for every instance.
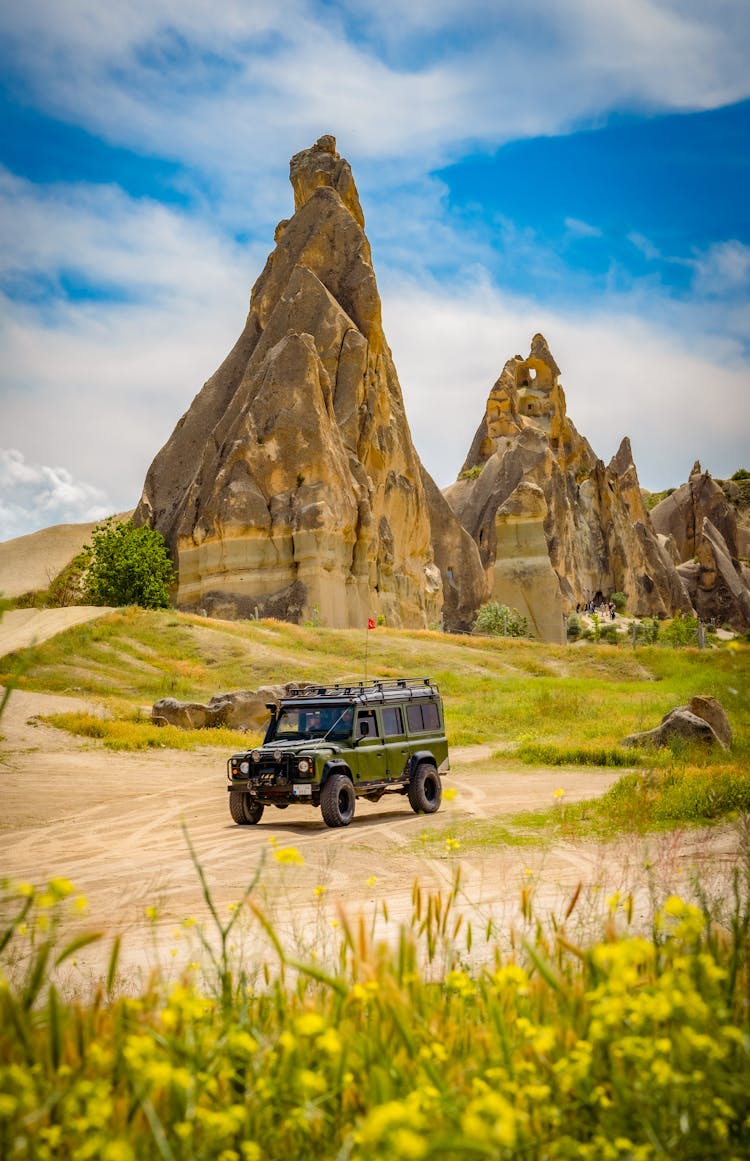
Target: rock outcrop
(291, 487)
(554, 526)
(703, 720)
(242, 709)
(699, 525)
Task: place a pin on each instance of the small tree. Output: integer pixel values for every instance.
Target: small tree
(129, 566)
(496, 620)
(619, 600)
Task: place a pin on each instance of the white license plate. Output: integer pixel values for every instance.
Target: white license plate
(302, 791)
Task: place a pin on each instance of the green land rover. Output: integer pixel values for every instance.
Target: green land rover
(328, 745)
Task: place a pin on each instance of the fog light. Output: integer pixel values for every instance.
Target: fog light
(255, 755)
(277, 755)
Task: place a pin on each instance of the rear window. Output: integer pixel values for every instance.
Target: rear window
(423, 718)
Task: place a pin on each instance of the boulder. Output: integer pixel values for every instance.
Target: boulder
(187, 715)
(241, 709)
(713, 712)
(702, 720)
(291, 487)
(554, 526)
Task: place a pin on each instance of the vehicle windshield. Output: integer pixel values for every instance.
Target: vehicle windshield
(311, 721)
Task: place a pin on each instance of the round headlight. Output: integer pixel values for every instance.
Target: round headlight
(244, 767)
(277, 755)
(303, 765)
(255, 755)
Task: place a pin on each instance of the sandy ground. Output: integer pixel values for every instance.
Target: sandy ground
(111, 823)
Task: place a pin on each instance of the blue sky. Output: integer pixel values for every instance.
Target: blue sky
(574, 167)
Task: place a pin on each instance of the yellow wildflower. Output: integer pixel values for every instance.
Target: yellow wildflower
(288, 857)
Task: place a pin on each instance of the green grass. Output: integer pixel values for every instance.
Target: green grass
(640, 802)
(545, 754)
(514, 694)
(141, 734)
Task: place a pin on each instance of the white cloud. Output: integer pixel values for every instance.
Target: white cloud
(723, 269)
(99, 386)
(622, 375)
(232, 90)
(581, 229)
(35, 495)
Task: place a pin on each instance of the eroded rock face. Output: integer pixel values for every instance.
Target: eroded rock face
(291, 486)
(681, 514)
(701, 526)
(554, 526)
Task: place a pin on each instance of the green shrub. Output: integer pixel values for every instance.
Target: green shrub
(645, 632)
(472, 473)
(128, 566)
(574, 628)
(619, 600)
(682, 630)
(496, 620)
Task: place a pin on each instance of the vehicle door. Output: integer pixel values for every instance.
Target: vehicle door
(370, 750)
(395, 743)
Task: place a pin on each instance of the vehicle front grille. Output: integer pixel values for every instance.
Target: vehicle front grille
(272, 773)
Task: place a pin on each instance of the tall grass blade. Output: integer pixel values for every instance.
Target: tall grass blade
(114, 960)
(77, 944)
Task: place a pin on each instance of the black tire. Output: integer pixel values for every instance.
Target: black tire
(337, 800)
(425, 789)
(243, 809)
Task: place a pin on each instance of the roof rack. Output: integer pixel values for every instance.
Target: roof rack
(366, 690)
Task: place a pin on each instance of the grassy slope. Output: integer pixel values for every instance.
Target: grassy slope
(502, 692)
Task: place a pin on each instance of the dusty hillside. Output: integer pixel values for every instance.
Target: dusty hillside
(29, 563)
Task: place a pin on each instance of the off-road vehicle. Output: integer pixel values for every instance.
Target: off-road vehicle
(331, 744)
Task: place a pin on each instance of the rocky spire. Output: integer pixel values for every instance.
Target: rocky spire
(554, 526)
(291, 486)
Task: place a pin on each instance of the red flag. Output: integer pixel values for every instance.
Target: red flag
(370, 623)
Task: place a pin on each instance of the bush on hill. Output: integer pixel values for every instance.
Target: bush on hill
(496, 620)
(128, 566)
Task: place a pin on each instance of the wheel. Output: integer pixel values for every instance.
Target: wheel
(337, 801)
(243, 810)
(425, 789)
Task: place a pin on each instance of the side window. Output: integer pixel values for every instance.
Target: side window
(367, 726)
(392, 723)
(414, 718)
(423, 718)
(430, 716)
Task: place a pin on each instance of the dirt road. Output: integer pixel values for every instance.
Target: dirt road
(111, 823)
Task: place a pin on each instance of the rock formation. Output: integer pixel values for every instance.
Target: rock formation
(703, 719)
(554, 526)
(291, 486)
(699, 525)
(242, 709)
